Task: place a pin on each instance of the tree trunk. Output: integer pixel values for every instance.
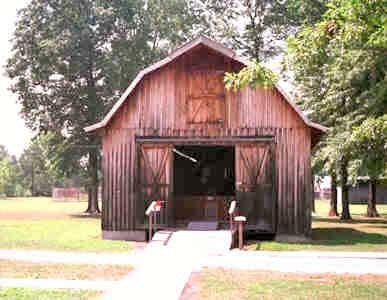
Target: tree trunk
(333, 210)
(345, 214)
(371, 209)
(313, 196)
(33, 181)
(92, 207)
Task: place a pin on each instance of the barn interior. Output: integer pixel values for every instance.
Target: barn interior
(204, 182)
(204, 171)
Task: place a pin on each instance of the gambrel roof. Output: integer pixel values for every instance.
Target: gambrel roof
(217, 47)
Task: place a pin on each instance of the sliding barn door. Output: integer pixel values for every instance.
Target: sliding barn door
(255, 185)
(154, 179)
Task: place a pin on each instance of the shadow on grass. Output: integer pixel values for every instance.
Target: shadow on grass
(85, 216)
(344, 236)
(353, 221)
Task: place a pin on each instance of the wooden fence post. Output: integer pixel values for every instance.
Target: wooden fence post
(240, 220)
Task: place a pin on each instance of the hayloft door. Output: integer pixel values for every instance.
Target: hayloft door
(154, 180)
(255, 185)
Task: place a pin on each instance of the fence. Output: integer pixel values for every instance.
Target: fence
(68, 194)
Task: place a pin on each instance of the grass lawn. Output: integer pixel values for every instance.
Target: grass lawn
(43, 294)
(230, 284)
(330, 233)
(24, 269)
(39, 223)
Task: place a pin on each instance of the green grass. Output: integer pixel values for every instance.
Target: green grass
(230, 284)
(332, 234)
(322, 209)
(39, 223)
(45, 294)
(41, 205)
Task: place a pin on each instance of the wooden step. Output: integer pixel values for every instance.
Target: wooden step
(203, 225)
(162, 237)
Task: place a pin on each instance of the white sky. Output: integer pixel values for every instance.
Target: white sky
(13, 132)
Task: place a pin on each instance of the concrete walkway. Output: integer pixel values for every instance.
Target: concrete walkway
(99, 285)
(302, 262)
(161, 272)
(164, 270)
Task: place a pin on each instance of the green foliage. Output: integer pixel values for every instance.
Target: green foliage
(4, 176)
(368, 146)
(339, 66)
(9, 175)
(253, 76)
(41, 165)
(254, 27)
(72, 60)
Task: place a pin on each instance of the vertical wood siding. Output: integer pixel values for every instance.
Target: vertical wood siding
(159, 107)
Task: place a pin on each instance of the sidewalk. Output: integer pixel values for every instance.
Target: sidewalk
(303, 262)
(165, 270)
(161, 272)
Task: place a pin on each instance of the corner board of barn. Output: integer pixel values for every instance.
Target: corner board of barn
(177, 136)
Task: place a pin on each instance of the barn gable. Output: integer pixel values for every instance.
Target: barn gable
(214, 51)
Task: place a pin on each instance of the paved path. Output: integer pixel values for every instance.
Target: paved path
(161, 272)
(303, 262)
(164, 270)
(100, 285)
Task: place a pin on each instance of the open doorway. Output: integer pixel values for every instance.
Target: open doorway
(204, 181)
(204, 170)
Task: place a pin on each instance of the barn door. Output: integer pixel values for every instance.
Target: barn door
(154, 179)
(255, 188)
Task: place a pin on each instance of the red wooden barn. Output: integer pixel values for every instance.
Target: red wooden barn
(178, 136)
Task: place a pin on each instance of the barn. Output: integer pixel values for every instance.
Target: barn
(178, 136)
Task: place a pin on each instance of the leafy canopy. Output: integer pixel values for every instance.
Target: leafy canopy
(253, 75)
(339, 65)
(368, 146)
(71, 60)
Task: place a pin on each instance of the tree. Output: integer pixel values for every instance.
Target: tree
(5, 176)
(71, 61)
(39, 167)
(325, 162)
(257, 27)
(9, 175)
(368, 143)
(339, 66)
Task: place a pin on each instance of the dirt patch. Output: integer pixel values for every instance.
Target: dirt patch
(324, 277)
(197, 280)
(191, 290)
(24, 269)
(42, 215)
(13, 215)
